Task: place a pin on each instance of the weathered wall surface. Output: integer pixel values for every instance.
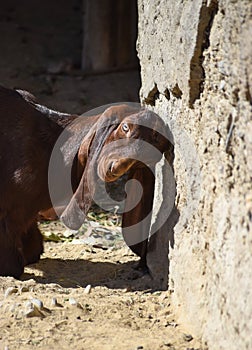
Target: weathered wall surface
(196, 69)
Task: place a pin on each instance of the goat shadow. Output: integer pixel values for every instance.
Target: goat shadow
(69, 273)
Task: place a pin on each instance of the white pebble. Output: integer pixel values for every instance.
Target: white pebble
(87, 290)
(72, 301)
(28, 305)
(32, 310)
(222, 85)
(38, 303)
(54, 302)
(9, 291)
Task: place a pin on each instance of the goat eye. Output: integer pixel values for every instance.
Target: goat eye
(125, 127)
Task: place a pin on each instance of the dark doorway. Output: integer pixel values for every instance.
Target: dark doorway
(58, 49)
(109, 35)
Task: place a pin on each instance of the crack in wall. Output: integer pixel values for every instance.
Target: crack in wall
(197, 73)
(248, 93)
(153, 95)
(176, 91)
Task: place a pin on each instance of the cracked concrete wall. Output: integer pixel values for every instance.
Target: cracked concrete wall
(196, 70)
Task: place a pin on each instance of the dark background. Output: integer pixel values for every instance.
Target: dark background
(72, 55)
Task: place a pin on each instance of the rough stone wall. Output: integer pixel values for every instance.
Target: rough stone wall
(196, 70)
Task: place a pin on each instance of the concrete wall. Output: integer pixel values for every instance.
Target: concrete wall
(196, 69)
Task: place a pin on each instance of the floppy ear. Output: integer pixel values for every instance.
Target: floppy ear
(136, 221)
(84, 149)
(75, 213)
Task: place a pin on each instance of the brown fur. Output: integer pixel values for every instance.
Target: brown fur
(28, 134)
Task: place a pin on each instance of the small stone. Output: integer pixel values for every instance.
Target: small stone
(55, 302)
(222, 85)
(69, 233)
(140, 347)
(33, 311)
(28, 305)
(37, 303)
(23, 289)
(187, 337)
(9, 291)
(72, 301)
(87, 290)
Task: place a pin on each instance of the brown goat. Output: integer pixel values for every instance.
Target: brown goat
(103, 146)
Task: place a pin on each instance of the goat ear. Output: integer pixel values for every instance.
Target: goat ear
(88, 155)
(75, 212)
(89, 151)
(84, 149)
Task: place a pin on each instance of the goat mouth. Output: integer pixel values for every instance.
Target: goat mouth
(116, 169)
(112, 173)
(111, 167)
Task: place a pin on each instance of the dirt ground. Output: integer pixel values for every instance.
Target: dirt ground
(120, 311)
(85, 293)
